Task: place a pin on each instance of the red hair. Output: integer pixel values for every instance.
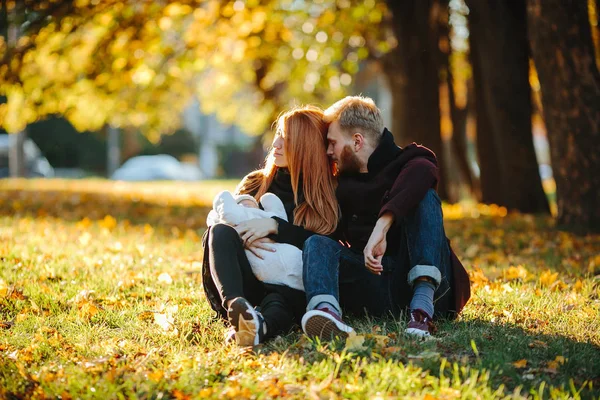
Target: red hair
(305, 138)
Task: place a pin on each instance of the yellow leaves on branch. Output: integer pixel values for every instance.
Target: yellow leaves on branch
(96, 71)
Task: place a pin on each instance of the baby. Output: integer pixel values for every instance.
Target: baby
(282, 267)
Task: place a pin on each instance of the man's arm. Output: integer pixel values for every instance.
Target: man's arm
(415, 179)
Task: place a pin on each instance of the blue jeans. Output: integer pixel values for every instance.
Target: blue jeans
(337, 275)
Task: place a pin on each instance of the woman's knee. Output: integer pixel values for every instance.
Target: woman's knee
(220, 233)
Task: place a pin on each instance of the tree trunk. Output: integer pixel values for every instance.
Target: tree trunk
(412, 70)
(570, 84)
(113, 143)
(458, 115)
(500, 59)
(16, 155)
(458, 142)
(16, 151)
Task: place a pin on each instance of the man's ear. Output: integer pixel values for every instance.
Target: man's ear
(358, 141)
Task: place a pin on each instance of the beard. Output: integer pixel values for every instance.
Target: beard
(348, 162)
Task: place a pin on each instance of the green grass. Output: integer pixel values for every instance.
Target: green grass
(89, 311)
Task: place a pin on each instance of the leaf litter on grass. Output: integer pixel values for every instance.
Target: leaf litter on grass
(94, 300)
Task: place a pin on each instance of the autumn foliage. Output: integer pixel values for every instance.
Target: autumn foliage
(107, 301)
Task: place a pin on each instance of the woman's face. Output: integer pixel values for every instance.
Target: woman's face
(279, 150)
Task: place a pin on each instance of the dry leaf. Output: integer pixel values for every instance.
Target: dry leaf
(547, 278)
(538, 343)
(520, 364)
(390, 350)
(381, 340)
(6, 324)
(3, 288)
(513, 273)
(355, 342)
(85, 238)
(156, 376)
(179, 395)
(108, 222)
(87, 309)
(165, 278)
(164, 321)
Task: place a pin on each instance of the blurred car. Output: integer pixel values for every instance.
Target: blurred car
(161, 167)
(36, 165)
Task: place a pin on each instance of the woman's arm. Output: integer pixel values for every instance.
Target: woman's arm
(291, 234)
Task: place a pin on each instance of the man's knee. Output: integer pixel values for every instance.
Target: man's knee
(316, 242)
(431, 199)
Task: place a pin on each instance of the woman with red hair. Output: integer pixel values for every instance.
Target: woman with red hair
(298, 171)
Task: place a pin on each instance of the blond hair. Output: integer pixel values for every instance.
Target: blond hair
(305, 148)
(357, 113)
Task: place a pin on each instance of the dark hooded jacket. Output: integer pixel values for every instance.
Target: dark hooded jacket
(397, 181)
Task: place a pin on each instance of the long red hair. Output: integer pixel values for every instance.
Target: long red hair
(305, 138)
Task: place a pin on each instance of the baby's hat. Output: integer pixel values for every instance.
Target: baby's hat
(240, 197)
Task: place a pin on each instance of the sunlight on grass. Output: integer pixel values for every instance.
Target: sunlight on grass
(112, 306)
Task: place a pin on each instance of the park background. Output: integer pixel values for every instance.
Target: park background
(100, 293)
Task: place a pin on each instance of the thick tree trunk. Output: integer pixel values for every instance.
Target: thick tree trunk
(500, 58)
(570, 83)
(413, 73)
(458, 115)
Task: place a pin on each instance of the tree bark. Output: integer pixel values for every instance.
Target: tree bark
(413, 73)
(563, 53)
(16, 151)
(113, 144)
(458, 142)
(500, 59)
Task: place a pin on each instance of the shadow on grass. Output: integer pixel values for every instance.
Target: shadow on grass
(499, 349)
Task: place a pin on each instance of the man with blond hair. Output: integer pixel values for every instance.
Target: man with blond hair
(391, 252)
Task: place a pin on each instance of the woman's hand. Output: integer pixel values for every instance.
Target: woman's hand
(254, 229)
(260, 245)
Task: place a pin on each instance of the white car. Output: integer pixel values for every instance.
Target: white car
(161, 167)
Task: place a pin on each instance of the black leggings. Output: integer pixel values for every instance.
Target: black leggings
(231, 272)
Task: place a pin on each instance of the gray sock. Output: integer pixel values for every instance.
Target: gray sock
(423, 297)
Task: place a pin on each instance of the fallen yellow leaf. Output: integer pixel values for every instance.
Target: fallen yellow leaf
(520, 364)
(548, 278)
(355, 342)
(108, 222)
(156, 376)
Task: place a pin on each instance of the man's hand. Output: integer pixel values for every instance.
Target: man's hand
(377, 244)
(254, 229)
(259, 245)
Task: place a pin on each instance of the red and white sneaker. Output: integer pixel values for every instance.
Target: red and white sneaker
(324, 324)
(420, 324)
